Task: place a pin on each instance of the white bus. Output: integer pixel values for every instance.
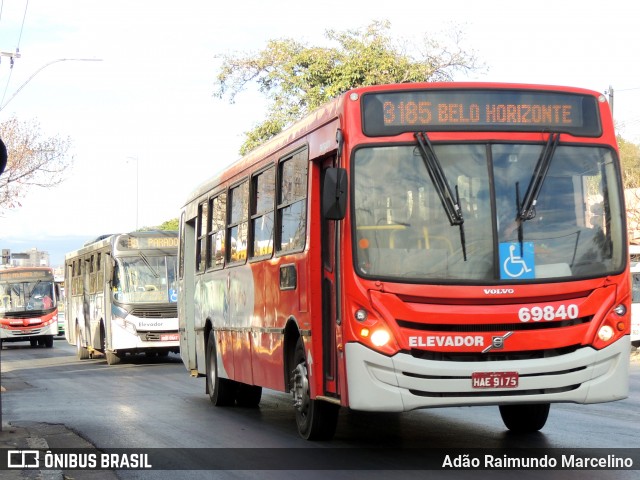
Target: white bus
(634, 254)
(121, 296)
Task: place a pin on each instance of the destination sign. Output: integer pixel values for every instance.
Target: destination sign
(141, 243)
(26, 275)
(391, 113)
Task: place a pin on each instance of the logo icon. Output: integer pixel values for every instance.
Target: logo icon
(23, 459)
(497, 343)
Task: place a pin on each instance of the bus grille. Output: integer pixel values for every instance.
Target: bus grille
(492, 356)
(498, 393)
(170, 311)
(492, 327)
(27, 314)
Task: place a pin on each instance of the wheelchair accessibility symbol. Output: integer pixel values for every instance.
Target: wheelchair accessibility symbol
(516, 263)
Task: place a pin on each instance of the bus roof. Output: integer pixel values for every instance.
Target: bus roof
(106, 240)
(4, 269)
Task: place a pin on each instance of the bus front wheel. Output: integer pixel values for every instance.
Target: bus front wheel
(222, 391)
(316, 419)
(525, 418)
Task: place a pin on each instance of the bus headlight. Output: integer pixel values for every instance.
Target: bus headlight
(373, 331)
(380, 337)
(605, 333)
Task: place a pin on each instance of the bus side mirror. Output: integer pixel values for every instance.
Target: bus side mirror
(334, 194)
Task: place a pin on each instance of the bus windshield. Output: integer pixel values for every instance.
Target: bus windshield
(403, 232)
(145, 279)
(27, 296)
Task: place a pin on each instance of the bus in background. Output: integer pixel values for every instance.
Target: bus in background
(634, 255)
(412, 246)
(121, 295)
(59, 282)
(28, 305)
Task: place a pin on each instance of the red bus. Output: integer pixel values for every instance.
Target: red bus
(28, 305)
(412, 246)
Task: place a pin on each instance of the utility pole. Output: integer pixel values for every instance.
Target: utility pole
(610, 93)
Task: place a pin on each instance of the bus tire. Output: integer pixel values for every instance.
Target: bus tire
(222, 391)
(248, 396)
(525, 418)
(316, 420)
(112, 357)
(48, 341)
(83, 352)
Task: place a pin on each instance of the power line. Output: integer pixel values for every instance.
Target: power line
(2, 105)
(24, 17)
(17, 54)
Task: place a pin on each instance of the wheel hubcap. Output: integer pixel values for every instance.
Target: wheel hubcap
(300, 388)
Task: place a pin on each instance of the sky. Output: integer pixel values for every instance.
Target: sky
(136, 93)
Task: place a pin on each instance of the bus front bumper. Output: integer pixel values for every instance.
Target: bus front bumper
(402, 383)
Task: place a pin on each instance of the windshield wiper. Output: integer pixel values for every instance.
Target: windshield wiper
(153, 271)
(450, 203)
(527, 210)
(33, 289)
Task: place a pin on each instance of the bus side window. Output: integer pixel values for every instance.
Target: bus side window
(292, 202)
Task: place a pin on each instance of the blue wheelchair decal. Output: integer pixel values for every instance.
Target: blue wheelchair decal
(516, 263)
(173, 295)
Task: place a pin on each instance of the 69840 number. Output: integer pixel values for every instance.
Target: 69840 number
(548, 313)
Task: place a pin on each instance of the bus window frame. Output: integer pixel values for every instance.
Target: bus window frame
(254, 215)
(279, 252)
(210, 258)
(230, 224)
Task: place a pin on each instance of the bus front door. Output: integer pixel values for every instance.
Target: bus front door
(331, 330)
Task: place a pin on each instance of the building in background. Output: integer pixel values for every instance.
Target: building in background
(30, 258)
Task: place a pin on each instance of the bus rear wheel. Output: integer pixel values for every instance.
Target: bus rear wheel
(316, 420)
(83, 353)
(222, 391)
(525, 418)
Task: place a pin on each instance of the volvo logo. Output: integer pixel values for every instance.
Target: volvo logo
(497, 343)
(499, 291)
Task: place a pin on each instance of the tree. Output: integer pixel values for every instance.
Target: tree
(171, 224)
(32, 160)
(630, 159)
(297, 78)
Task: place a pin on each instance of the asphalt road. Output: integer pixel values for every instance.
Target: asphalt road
(154, 403)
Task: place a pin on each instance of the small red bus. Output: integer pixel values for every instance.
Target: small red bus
(412, 246)
(28, 305)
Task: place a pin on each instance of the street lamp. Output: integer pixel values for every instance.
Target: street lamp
(137, 186)
(42, 68)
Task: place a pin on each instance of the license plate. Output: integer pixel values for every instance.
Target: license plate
(169, 337)
(494, 379)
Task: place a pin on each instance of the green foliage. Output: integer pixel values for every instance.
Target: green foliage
(630, 158)
(297, 78)
(167, 225)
